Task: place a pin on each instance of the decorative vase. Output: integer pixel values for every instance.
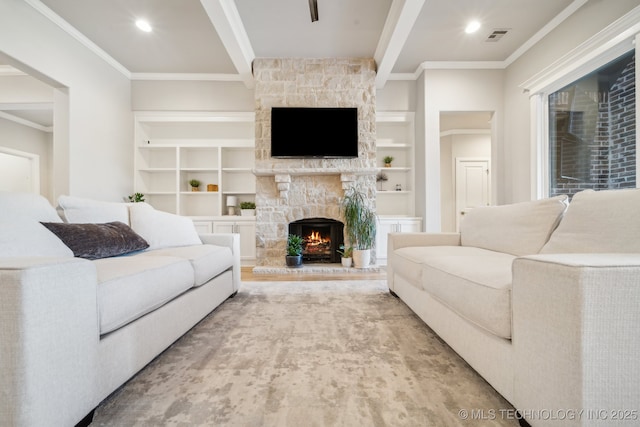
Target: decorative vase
(294, 261)
(247, 212)
(346, 262)
(361, 258)
(387, 165)
(195, 188)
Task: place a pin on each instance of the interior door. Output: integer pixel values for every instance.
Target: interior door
(472, 185)
(19, 171)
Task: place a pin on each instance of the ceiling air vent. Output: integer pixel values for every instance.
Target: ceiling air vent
(497, 34)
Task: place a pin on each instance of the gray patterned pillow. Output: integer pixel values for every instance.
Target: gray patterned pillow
(95, 241)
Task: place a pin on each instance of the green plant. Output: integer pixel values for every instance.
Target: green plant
(136, 198)
(247, 205)
(359, 219)
(294, 245)
(388, 159)
(194, 183)
(345, 252)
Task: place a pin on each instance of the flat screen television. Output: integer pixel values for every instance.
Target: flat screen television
(305, 132)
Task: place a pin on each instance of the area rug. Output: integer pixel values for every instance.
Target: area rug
(314, 353)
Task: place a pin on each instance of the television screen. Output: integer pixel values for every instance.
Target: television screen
(298, 132)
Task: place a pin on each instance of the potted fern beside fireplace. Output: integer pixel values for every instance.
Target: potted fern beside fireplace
(360, 224)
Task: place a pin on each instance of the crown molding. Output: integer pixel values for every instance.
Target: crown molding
(73, 32)
(25, 122)
(550, 26)
(606, 45)
(9, 71)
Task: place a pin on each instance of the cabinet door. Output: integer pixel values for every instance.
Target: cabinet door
(409, 226)
(247, 231)
(385, 226)
(203, 227)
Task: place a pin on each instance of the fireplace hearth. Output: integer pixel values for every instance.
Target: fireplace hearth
(322, 238)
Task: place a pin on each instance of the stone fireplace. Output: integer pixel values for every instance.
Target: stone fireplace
(290, 190)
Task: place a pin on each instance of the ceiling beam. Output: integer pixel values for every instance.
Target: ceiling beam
(225, 18)
(400, 20)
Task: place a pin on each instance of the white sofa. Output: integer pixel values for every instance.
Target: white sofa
(550, 317)
(73, 330)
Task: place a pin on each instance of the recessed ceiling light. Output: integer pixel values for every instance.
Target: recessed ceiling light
(143, 25)
(472, 27)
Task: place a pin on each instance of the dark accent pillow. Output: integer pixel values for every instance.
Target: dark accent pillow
(95, 241)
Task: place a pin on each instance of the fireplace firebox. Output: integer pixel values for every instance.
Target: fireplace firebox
(322, 238)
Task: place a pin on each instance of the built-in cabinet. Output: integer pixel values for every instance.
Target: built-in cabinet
(216, 149)
(395, 195)
(388, 225)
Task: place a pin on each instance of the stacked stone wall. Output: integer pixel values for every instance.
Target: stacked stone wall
(291, 189)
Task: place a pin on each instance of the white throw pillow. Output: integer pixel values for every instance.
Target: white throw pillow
(517, 229)
(23, 206)
(29, 238)
(81, 210)
(599, 222)
(162, 229)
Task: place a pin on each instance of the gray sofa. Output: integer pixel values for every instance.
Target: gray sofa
(542, 301)
(73, 330)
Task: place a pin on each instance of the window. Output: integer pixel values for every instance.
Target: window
(592, 136)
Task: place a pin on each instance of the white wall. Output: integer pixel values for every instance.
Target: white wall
(397, 95)
(27, 139)
(586, 22)
(454, 90)
(452, 147)
(191, 96)
(99, 147)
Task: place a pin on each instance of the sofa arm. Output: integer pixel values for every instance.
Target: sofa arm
(576, 336)
(403, 240)
(48, 340)
(230, 240)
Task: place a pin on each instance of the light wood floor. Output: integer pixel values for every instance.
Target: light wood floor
(248, 275)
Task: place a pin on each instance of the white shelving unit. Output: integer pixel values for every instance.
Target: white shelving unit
(395, 198)
(172, 148)
(395, 138)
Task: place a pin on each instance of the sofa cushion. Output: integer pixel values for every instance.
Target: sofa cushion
(26, 206)
(162, 229)
(30, 238)
(408, 261)
(475, 284)
(95, 241)
(517, 229)
(599, 221)
(207, 261)
(132, 286)
(83, 210)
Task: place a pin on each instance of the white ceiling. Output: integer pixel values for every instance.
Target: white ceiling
(222, 37)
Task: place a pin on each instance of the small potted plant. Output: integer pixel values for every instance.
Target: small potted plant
(294, 251)
(345, 253)
(195, 184)
(136, 198)
(387, 161)
(247, 208)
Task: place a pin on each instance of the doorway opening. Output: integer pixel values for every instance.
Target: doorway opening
(465, 164)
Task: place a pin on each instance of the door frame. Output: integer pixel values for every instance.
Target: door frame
(458, 162)
(34, 161)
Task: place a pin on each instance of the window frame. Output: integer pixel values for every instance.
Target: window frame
(619, 38)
